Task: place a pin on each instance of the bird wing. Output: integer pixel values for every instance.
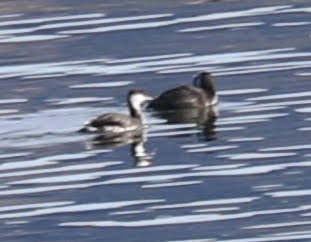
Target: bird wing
(110, 119)
(175, 98)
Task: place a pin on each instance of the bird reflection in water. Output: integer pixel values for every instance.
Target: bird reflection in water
(136, 141)
(196, 103)
(204, 118)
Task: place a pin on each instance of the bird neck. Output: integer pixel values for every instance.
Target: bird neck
(208, 87)
(135, 112)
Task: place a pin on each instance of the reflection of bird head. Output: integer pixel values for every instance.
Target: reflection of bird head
(139, 153)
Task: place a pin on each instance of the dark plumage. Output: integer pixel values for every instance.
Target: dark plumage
(201, 94)
(113, 119)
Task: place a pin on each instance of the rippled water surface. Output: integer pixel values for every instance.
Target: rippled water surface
(242, 177)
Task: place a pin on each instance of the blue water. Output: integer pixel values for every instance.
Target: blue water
(242, 177)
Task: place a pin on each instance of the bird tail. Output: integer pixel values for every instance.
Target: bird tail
(85, 128)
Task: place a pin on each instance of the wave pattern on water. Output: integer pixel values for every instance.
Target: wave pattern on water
(234, 173)
(170, 65)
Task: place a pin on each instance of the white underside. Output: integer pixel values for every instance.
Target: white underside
(111, 129)
(214, 101)
(118, 129)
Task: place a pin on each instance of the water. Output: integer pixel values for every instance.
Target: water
(241, 177)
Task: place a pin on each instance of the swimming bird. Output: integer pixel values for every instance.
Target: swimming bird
(117, 124)
(201, 94)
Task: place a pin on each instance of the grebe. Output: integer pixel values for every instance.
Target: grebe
(114, 124)
(201, 94)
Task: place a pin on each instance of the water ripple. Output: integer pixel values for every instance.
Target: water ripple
(73, 63)
(224, 26)
(77, 208)
(185, 219)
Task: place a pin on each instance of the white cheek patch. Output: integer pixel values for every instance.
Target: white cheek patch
(137, 100)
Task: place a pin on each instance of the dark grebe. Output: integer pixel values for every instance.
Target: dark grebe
(114, 124)
(201, 94)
